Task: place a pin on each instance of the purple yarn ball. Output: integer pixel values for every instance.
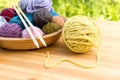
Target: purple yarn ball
(35, 5)
(25, 33)
(10, 30)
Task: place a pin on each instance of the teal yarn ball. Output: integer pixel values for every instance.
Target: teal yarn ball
(18, 21)
(53, 12)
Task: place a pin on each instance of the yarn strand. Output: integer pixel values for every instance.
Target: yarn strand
(71, 61)
(87, 35)
(53, 65)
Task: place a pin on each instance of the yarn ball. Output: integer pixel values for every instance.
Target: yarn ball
(60, 20)
(2, 21)
(23, 4)
(8, 13)
(50, 28)
(80, 34)
(53, 13)
(42, 17)
(35, 5)
(10, 30)
(25, 33)
(18, 21)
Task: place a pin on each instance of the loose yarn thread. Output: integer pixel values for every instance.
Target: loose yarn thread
(82, 33)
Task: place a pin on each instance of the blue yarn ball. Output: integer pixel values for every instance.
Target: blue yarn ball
(53, 13)
(18, 21)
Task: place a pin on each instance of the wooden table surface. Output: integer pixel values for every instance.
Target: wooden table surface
(29, 65)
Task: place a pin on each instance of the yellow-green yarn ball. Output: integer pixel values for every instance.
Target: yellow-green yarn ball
(80, 34)
(50, 27)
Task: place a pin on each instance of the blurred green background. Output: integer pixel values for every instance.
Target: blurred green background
(96, 9)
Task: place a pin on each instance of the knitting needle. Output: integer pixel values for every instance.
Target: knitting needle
(25, 24)
(32, 26)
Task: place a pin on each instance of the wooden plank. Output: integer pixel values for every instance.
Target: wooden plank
(29, 65)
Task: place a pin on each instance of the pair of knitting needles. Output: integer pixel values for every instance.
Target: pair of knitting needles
(20, 14)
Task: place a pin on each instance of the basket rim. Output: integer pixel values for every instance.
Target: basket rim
(44, 36)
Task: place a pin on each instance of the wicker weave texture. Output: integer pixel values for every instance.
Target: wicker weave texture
(27, 44)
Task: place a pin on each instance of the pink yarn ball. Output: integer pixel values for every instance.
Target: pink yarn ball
(25, 33)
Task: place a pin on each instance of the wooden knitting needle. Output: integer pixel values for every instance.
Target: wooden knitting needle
(25, 24)
(32, 26)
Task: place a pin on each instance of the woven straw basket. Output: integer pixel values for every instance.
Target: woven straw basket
(27, 43)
